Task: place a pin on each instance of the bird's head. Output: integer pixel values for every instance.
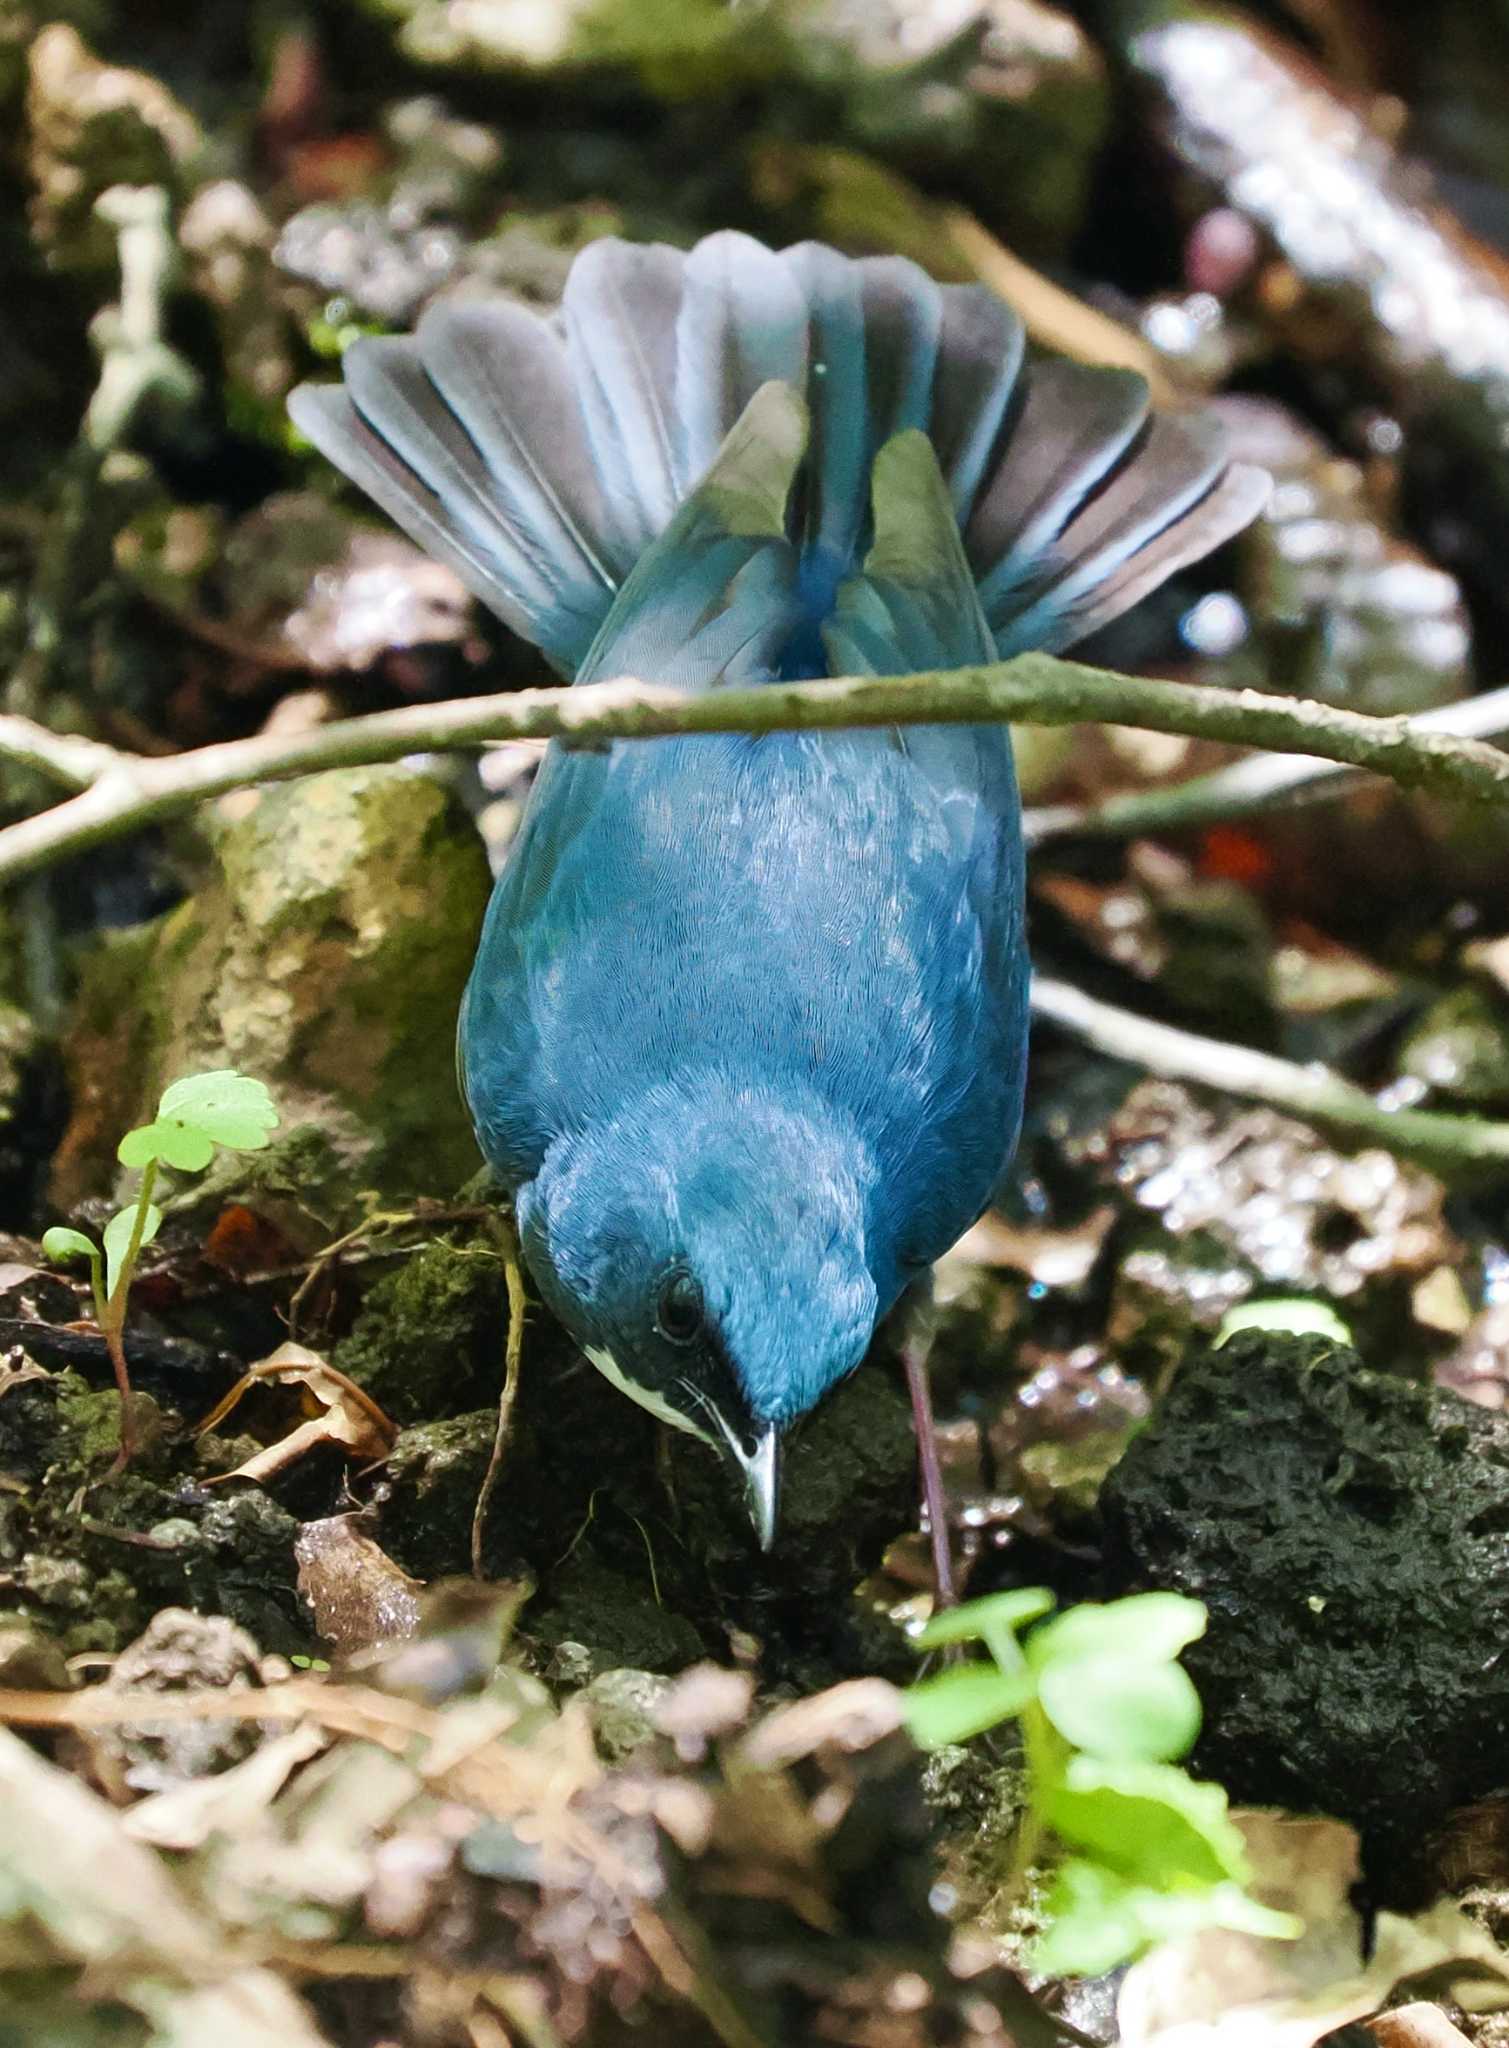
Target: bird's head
(707, 1249)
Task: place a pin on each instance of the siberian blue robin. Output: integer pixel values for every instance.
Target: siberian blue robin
(747, 1028)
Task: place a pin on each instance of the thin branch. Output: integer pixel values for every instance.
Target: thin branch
(61, 757)
(1248, 787)
(136, 790)
(1443, 1143)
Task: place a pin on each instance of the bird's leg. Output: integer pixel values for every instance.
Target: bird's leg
(914, 1356)
(507, 1238)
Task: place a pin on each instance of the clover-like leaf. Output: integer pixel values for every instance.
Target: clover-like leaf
(117, 1235)
(1097, 1919)
(61, 1245)
(1151, 1627)
(1149, 1821)
(963, 1702)
(1121, 1706)
(228, 1108)
(173, 1144)
(970, 1622)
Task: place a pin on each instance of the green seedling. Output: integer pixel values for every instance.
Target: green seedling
(1105, 1709)
(196, 1116)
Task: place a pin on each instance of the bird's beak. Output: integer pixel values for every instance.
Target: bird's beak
(762, 1483)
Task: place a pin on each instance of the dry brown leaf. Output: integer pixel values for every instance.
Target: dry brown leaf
(849, 1717)
(1420, 2025)
(338, 1412)
(17, 1369)
(360, 1597)
(704, 1703)
(1054, 1258)
(82, 1893)
(185, 1816)
(250, 2009)
(1218, 1989)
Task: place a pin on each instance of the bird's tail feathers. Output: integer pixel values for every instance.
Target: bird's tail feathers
(542, 457)
(714, 599)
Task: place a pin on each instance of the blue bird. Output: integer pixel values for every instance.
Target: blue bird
(747, 1028)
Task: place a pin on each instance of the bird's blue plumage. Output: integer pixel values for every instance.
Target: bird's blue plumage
(747, 1028)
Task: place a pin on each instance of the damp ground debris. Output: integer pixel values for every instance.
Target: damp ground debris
(296, 1749)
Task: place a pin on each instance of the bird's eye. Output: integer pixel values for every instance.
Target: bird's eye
(678, 1310)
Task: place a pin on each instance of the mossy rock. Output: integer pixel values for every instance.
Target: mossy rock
(1460, 1048)
(429, 1339)
(326, 956)
(90, 1582)
(1346, 1531)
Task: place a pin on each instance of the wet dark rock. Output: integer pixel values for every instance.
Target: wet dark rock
(1338, 606)
(1347, 1532)
(1229, 1199)
(429, 1338)
(621, 1705)
(1460, 1049)
(178, 1652)
(381, 261)
(228, 240)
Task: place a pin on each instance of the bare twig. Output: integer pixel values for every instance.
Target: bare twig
(1247, 787)
(1055, 317)
(513, 1355)
(62, 758)
(1443, 1143)
(135, 790)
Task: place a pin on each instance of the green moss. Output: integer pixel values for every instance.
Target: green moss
(617, 1618)
(433, 1478)
(430, 1336)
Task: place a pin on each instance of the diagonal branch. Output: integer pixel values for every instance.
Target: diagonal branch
(1445, 1144)
(132, 791)
(1248, 787)
(63, 758)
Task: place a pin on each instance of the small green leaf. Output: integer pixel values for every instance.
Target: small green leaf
(61, 1245)
(1097, 1919)
(968, 1623)
(174, 1144)
(1151, 1627)
(118, 1241)
(228, 1108)
(1121, 1706)
(1149, 1821)
(963, 1702)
